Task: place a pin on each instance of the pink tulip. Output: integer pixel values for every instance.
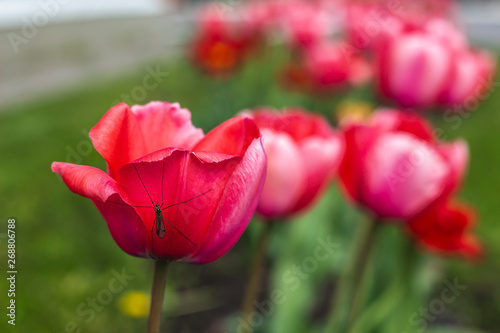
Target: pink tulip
(206, 186)
(471, 79)
(431, 64)
(396, 168)
(414, 67)
(446, 32)
(327, 65)
(303, 156)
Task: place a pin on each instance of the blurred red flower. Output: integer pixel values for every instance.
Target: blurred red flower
(217, 54)
(206, 187)
(445, 227)
(330, 66)
(221, 44)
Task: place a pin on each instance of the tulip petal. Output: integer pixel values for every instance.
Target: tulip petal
(470, 80)
(323, 157)
(123, 222)
(236, 206)
(231, 137)
(118, 138)
(457, 155)
(410, 122)
(358, 140)
(420, 66)
(166, 125)
(298, 123)
(404, 175)
(445, 227)
(282, 189)
(186, 187)
(87, 181)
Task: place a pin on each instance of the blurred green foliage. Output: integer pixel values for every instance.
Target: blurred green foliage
(66, 256)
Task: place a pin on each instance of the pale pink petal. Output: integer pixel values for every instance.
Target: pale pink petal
(286, 174)
(321, 158)
(403, 175)
(420, 67)
(166, 125)
(457, 155)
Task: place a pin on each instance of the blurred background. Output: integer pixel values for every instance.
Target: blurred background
(64, 63)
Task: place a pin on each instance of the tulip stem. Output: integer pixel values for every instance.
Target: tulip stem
(349, 293)
(393, 298)
(360, 278)
(257, 269)
(157, 294)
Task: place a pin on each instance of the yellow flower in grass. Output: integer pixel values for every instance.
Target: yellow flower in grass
(352, 112)
(135, 304)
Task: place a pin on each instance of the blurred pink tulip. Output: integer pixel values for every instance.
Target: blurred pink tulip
(327, 65)
(471, 79)
(431, 64)
(204, 188)
(395, 167)
(304, 153)
(413, 68)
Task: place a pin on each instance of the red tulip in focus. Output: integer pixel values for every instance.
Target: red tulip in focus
(206, 187)
(395, 167)
(445, 227)
(303, 152)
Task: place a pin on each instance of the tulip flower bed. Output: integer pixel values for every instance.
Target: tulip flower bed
(68, 256)
(368, 218)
